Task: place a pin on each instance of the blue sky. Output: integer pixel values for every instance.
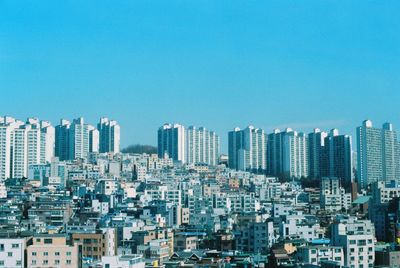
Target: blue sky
(218, 64)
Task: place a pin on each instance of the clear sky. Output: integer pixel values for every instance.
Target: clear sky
(217, 64)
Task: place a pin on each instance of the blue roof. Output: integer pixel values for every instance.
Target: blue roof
(321, 241)
(362, 200)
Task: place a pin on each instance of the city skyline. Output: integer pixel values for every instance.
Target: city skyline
(219, 65)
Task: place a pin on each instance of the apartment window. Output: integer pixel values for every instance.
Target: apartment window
(57, 253)
(352, 242)
(68, 262)
(18, 263)
(9, 254)
(1, 263)
(34, 253)
(48, 241)
(1, 247)
(68, 253)
(33, 262)
(56, 262)
(15, 245)
(45, 253)
(45, 262)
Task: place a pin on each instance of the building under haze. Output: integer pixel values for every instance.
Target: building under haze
(378, 154)
(316, 153)
(247, 149)
(202, 146)
(23, 144)
(171, 142)
(72, 139)
(287, 154)
(109, 136)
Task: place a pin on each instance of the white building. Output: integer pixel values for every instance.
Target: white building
(123, 261)
(78, 139)
(24, 144)
(12, 252)
(317, 254)
(172, 142)
(94, 139)
(202, 146)
(247, 149)
(332, 196)
(109, 134)
(378, 154)
(288, 154)
(357, 239)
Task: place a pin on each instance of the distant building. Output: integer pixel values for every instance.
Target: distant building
(247, 149)
(94, 139)
(109, 136)
(23, 144)
(378, 154)
(317, 159)
(202, 146)
(171, 142)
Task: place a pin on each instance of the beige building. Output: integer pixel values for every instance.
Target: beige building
(53, 251)
(97, 244)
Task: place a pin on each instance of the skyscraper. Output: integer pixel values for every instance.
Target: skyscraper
(94, 139)
(287, 154)
(23, 144)
(109, 136)
(378, 154)
(316, 152)
(202, 146)
(78, 139)
(274, 153)
(171, 142)
(247, 149)
(62, 140)
(339, 157)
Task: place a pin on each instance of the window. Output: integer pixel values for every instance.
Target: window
(68, 262)
(68, 253)
(18, 263)
(45, 262)
(45, 253)
(34, 253)
(1, 263)
(48, 241)
(1, 247)
(57, 253)
(33, 262)
(56, 262)
(9, 254)
(15, 245)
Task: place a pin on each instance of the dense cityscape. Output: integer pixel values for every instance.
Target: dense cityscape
(70, 197)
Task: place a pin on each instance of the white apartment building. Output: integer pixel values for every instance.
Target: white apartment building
(247, 149)
(109, 136)
(12, 252)
(202, 146)
(24, 144)
(317, 254)
(123, 261)
(357, 239)
(172, 142)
